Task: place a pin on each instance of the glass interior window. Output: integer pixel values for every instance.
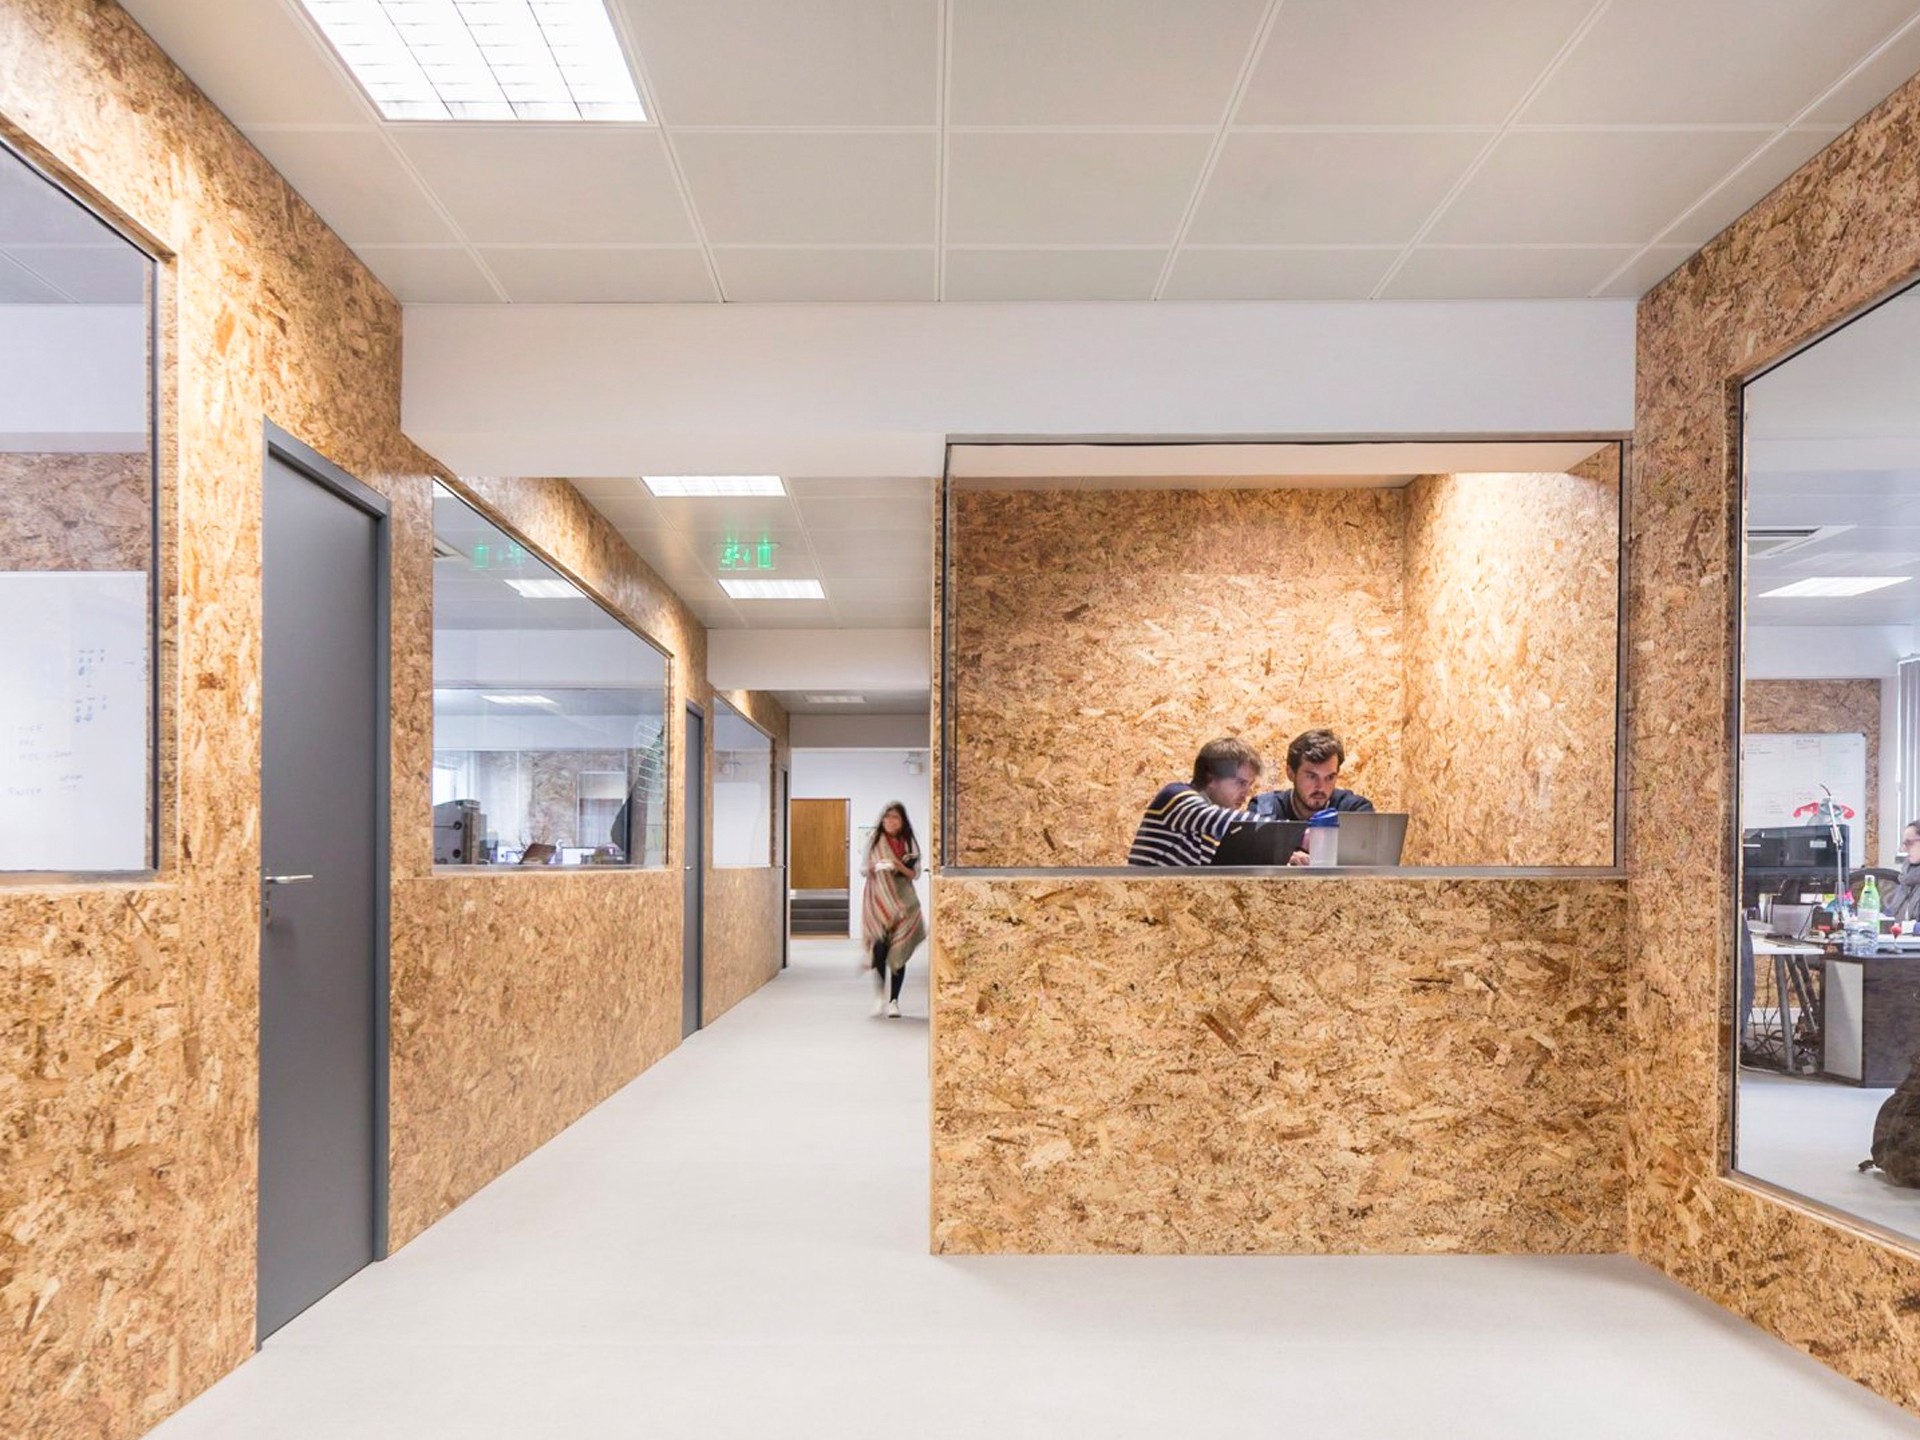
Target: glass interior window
(77, 536)
(549, 714)
(742, 790)
(1827, 995)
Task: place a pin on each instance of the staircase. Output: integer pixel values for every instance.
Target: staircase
(819, 912)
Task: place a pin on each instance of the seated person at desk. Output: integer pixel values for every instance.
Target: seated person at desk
(1185, 823)
(1313, 765)
(1902, 903)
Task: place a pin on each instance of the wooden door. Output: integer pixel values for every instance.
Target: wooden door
(819, 844)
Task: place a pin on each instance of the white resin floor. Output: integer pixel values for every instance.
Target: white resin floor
(736, 1246)
(1809, 1136)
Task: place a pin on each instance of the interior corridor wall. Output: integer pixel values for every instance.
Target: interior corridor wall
(128, 1062)
(870, 779)
(1836, 235)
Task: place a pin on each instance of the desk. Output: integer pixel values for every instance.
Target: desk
(1870, 1031)
(1791, 977)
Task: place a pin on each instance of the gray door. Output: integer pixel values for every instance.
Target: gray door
(323, 851)
(784, 811)
(694, 873)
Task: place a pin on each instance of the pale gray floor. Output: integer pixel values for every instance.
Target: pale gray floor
(736, 1246)
(1809, 1136)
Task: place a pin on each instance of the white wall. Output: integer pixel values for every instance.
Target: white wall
(877, 390)
(820, 659)
(870, 779)
(860, 732)
(73, 377)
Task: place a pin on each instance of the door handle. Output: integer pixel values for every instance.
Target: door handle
(284, 879)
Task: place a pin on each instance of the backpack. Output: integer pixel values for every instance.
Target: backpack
(1896, 1133)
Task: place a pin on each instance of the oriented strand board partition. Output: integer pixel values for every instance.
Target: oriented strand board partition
(128, 1070)
(1513, 586)
(1100, 637)
(75, 511)
(1825, 707)
(1287, 1066)
(1837, 235)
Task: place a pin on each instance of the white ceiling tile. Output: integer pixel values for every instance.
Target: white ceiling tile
(915, 563)
(1053, 274)
(811, 189)
(1329, 189)
(361, 189)
(834, 545)
(1097, 62)
(785, 614)
(826, 487)
(429, 274)
(906, 513)
(553, 275)
(560, 184)
(1387, 62)
(20, 286)
(1063, 189)
(1783, 155)
(1497, 274)
(33, 211)
(1647, 271)
(1278, 274)
(259, 62)
(1711, 61)
(1878, 78)
(110, 274)
(815, 275)
(1589, 187)
(774, 62)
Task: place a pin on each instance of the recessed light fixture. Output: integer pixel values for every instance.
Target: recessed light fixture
(518, 700)
(1830, 586)
(483, 59)
(773, 589)
(836, 699)
(545, 589)
(701, 487)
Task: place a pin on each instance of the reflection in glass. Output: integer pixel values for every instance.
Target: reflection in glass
(742, 790)
(549, 715)
(1827, 1003)
(76, 536)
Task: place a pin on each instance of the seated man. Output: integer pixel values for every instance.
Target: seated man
(1313, 765)
(1185, 823)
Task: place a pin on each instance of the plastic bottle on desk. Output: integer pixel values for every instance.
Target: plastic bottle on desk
(1870, 900)
(1323, 838)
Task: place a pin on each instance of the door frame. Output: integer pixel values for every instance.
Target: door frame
(695, 860)
(786, 864)
(296, 455)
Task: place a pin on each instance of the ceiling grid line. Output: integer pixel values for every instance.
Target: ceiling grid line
(943, 111)
(1899, 32)
(331, 58)
(1248, 65)
(1560, 57)
(650, 101)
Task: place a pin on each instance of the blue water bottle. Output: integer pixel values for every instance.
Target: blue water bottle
(1323, 838)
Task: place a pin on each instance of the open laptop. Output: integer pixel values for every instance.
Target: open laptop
(1262, 842)
(1368, 837)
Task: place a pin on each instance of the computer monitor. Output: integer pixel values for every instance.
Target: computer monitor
(1262, 842)
(1368, 837)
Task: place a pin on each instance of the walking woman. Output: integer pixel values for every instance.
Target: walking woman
(891, 924)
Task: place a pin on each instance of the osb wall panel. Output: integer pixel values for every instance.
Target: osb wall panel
(75, 512)
(579, 992)
(1512, 595)
(1825, 707)
(1101, 637)
(1185, 1065)
(132, 1142)
(1840, 232)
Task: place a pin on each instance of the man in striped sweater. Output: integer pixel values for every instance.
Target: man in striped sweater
(1185, 824)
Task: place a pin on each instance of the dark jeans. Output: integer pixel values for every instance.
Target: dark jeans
(880, 964)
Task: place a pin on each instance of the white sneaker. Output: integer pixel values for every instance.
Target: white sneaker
(893, 1009)
(879, 993)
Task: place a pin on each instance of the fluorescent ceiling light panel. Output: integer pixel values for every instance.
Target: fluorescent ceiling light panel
(545, 589)
(483, 59)
(676, 487)
(836, 699)
(518, 700)
(1832, 586)
(773, 589)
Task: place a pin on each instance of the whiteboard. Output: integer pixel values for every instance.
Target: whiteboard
(73, 720)
(1781, 776)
